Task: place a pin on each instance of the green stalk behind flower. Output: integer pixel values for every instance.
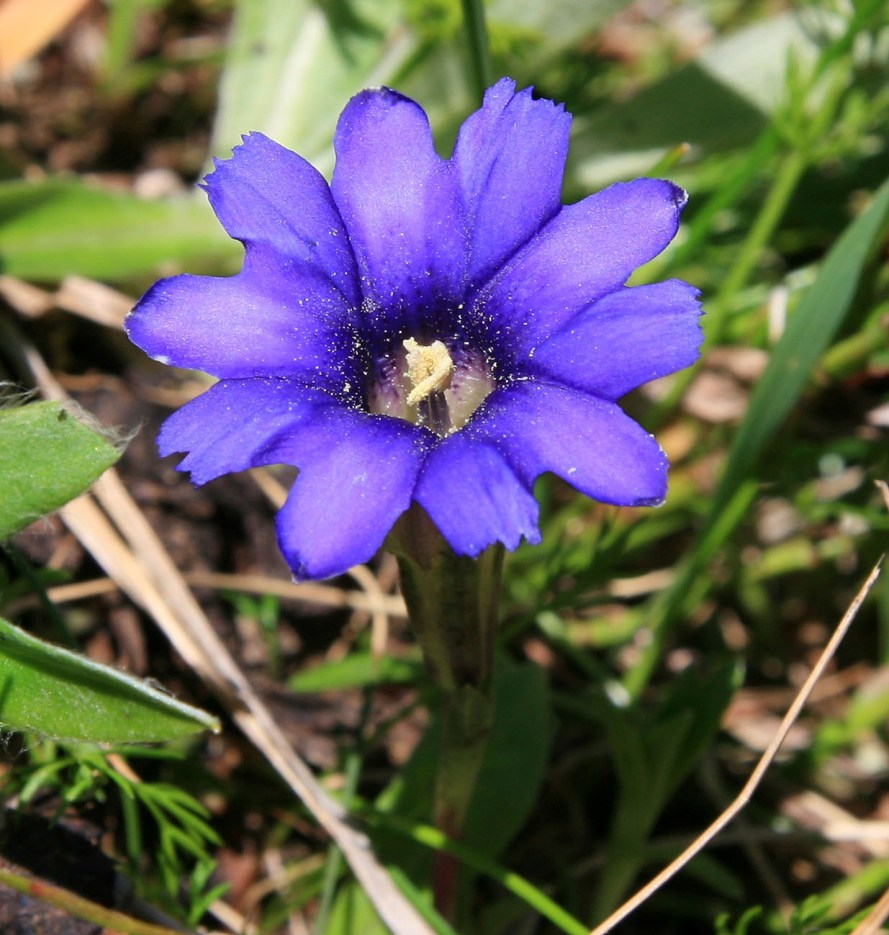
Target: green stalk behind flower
(452, 603)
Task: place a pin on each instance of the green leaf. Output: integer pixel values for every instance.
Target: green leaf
(353, 911)
(516, 758)
(513, 768)
(810, 329)
(357, 670)
(354, 914)
(315, 57)
(508, 786)
(62, 695)
(621, 142)
(700, 699)
(55, 228)
(720, 101)
(556, 25)
(48, 456)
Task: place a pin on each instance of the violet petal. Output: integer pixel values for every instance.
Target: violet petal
(624, 340)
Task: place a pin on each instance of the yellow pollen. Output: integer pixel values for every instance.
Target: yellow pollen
(429, 368)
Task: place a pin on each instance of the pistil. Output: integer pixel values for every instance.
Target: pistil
(429, 372)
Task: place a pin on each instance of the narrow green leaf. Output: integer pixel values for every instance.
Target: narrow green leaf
(809, 331)
(48, 456)
(353, 912)
(357, 670)
(704, 698)
(62, 695)
(652, 754)
(434, 839)
(55, 228)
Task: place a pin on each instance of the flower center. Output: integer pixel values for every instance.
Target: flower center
(430, 385)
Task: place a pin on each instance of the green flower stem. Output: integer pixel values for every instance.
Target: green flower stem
(479, 50)
(452, 603)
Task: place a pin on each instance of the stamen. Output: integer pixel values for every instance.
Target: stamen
(429, 384)
(429, 369)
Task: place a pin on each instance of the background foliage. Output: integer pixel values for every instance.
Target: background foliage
(645, 655)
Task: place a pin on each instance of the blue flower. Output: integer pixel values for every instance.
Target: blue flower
(428, 330)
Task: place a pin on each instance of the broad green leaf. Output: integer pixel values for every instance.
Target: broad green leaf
(293, 64)
(55, 228)
(62, 695)
(809, 331)
(513, 767)
(357, 670)
(48, 456)
(556, 25)
(721, 100)
(516, 758)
